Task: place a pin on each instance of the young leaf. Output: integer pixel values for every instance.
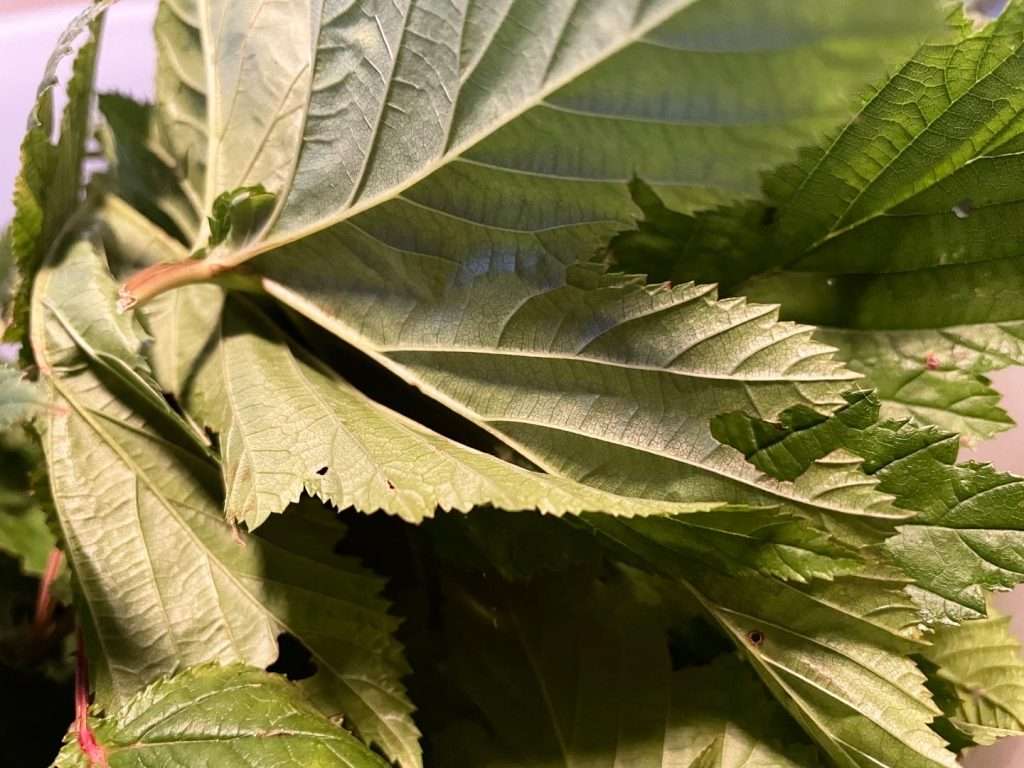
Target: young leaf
(165, 582)
(47, 188)
(966, 536)
(326, 115)
(980, 663)
(231, 717)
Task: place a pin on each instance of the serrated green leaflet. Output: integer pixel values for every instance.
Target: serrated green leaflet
(966, 535)
(164, 580)
(892, 234)
(980, 668)
(231, 717)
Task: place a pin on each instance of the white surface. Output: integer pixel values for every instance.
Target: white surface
(127, 65)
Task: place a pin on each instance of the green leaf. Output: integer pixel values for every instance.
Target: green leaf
(47, 188)
(639, 84)
(979, 663)
(179, 129)
(893, 233)
(965, 537)
(26, 536)
(231, 717)
(139, 171)
(165, 582)
(19, 399)
(710, 731)
(288, 425)
(562, 676)
(835, 655)
(24, 530)
(238, 375)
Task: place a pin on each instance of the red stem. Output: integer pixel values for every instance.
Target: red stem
(41, 624)
(94, 753)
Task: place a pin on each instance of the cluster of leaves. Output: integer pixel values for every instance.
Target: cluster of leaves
(367, 437)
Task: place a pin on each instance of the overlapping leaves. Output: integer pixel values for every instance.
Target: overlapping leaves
(233, 716)
(164, 580)
(967, 534)
(382, 162)
(893, 233)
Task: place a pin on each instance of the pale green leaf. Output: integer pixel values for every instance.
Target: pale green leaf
(338, 109)
(179, 129)
(230, 717)
(165, 582)
(980, 661)
(711, 729)
(591, 376)
(288, 425)
(834, 654)
(238, 375)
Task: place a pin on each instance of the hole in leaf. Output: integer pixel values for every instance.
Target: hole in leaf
(294, 660)
(755, 638)
(322, 471)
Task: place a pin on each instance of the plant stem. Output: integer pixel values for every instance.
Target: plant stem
(94, 753)
(44, 598)
(154, 280)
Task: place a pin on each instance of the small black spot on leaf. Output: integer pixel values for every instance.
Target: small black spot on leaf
(322, 471)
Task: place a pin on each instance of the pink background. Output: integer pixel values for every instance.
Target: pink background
(28, 30)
